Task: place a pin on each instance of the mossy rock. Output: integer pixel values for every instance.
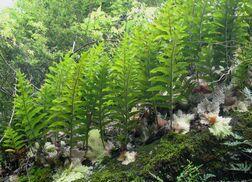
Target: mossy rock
(165, 157)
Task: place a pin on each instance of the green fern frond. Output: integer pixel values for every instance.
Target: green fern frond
(66, 112)
(13, 141)
(125, 84)
(230, 30)
(244, 167)
(28, 114)
(96, 82)
(168, 78)
(147, 55)
(242, 73)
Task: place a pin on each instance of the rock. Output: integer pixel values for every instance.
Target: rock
(109, 146)
(78, 154)
(80, 144)
(229, 100)
(75, 162)
(129, 157)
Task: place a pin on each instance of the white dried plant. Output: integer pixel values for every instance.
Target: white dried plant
(181, 122)
(221, 127)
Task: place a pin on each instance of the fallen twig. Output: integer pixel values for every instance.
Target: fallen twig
(224, 76)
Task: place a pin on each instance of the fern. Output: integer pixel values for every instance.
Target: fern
(248, 94)
(243, 167)
(243, 71)
(44, 98)
(168, 77)
(206, 64)
(96, 85)
(74, 94)
(215, 30)
(124, 86)
(197, 16)
(230, 29)
(239, 152)
(147, 50)
(27, 115)
(96, 66)
(67, 107)
(55, 81)
(190, 172)
(234, 144)
(13, 141)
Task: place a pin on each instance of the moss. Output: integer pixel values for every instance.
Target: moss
(37, 174)
(244, 126)
(165, 157)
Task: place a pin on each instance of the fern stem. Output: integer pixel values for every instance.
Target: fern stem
(226, 33)
(100, 120)
(73, 109)
(101, 132)
(126, 84)
(200, 35)
(171, 82)
(100, 110)
(148, 68)
(89, 121)
(171, 74)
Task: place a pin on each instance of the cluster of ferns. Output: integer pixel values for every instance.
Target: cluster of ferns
(157, 64)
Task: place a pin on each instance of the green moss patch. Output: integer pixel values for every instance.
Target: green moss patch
(166, 157)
